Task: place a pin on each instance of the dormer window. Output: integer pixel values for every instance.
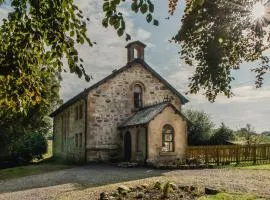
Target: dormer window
(137, 92)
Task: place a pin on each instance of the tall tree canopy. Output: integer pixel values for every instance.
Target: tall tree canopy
(200, 127)
(34, 39)
(215, 36)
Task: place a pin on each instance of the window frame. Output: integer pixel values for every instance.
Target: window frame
(170, 142)
(80, 140)
(80, 114)
(138, 96)
(76, 140)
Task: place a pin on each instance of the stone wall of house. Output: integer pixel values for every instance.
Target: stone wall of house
(66, 129)
(168, 116)
(111, 103)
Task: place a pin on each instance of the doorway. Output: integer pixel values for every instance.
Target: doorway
(127, 146)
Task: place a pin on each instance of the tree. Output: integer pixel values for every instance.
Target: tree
(34, 40)
(200, 127)
(22, 135)
(216, 36)
(222, 135)
(249, 136)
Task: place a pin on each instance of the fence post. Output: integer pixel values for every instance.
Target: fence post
(237, 155)
(254, 155)
(217, 150)
(206, 156)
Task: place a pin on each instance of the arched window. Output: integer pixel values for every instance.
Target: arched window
(168, 138)
(137, 92)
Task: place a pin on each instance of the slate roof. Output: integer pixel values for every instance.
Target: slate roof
(136, 42)
(147, 114)
(129, 64)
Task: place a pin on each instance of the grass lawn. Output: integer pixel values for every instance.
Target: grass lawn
(17, 172)
(258, 167)
(227, 196)
(38, 167)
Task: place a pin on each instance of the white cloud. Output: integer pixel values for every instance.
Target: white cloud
(108, 54)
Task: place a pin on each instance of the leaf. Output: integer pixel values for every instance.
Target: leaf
(144, 8)
(120, 32)
(128, 37)
(149, 18)
(105, 22)
(106, 6)
(156, 22)
(72, 33)
(151, 6)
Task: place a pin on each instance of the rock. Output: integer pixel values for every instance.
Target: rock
(173, 186)
(104, 196)
(210, 191)
(140, 195)
(192, 188)
(123, 189)
(184, 188)
(145, 185)
(114, 194)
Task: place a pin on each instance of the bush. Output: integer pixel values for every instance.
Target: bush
(23, 148)
(200, 127)
(222, 136)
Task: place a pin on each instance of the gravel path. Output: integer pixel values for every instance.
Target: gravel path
(81, 182)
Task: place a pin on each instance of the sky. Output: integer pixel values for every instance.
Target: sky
(248, 105)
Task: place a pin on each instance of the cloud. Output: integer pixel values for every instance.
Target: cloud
(108, 54)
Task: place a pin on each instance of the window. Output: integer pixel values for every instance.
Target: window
(168, 138)
(76, 113)
(137, 92)
(76, 140)
(80, 111)
(80, 141)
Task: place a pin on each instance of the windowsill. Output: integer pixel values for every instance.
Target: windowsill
(168, 153)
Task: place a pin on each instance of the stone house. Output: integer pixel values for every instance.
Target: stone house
(133, 114)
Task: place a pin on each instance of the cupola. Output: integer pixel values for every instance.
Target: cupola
(135, 50)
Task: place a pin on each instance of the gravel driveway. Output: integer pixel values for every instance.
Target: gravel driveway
(76, 181)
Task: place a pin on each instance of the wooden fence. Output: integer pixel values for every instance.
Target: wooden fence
(228, 154)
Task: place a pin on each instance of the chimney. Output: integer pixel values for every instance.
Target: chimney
(135, 50)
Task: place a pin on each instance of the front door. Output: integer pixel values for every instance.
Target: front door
(127, 146)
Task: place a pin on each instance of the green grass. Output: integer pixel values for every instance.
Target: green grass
(227, 196)
(258, 167)
(38, 167)
(17, 172)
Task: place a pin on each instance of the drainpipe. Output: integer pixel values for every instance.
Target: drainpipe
(85, 127)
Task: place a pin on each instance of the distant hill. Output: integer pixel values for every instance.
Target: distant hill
(267, 133)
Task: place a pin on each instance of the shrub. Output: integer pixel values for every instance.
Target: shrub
(24, 148)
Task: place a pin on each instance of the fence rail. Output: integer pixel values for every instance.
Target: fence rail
(227, 154)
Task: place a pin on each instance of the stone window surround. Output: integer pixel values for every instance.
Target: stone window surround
(172, 141)
(132, 93)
